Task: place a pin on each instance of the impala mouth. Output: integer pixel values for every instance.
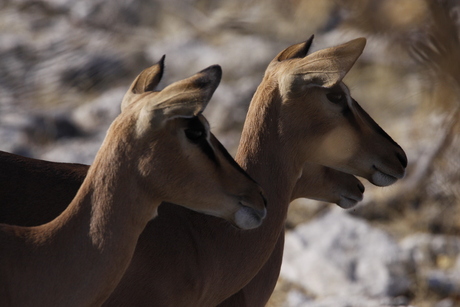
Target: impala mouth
(347, 203)
(249, 218)
(382, 179)
(351, 196)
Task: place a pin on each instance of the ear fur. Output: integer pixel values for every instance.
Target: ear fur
(295, 51)
(186, 98)
(329, 66)
(146, 81)
(189, 97)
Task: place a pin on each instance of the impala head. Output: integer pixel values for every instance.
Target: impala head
(177, 159)
(316, 106)
(326, 184)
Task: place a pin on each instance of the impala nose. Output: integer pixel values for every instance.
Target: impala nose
(402, 158)
(249, 218)
(361, 187)
(258, 204)
(251, 213)
(264, 199)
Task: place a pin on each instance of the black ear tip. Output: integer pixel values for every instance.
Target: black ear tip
(161, 62)
(213, 71)
(308, 42)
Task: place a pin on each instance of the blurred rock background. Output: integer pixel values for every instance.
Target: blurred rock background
(65, 65)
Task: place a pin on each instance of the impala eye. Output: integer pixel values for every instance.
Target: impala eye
(194, 134)
(336, 97)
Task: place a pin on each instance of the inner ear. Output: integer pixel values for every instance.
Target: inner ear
(189, 97)
(296, 51)
(182, 99)
(146, 81)
(149, 79)
(327, 67)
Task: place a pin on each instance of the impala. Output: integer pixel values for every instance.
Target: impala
(301, 116)
(78, 258)
(307, 94)
(301, 112)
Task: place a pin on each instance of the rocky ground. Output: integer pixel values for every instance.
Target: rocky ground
(65, 65)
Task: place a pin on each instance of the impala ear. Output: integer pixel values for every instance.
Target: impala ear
(186, 98)
(146, 81)
(327, 67)
(295, 51)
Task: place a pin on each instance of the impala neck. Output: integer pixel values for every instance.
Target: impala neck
(94, 239)
(266, 154)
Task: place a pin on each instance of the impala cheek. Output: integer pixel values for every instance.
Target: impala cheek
(338, 146)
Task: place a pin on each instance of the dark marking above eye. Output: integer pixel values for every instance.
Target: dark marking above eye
(367, 118)
(196, 133)
(230, 159)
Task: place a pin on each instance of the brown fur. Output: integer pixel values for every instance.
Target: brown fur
(301, 102)
(78, 258)
(208, 260)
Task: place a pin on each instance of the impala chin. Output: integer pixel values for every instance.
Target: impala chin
(249, 218)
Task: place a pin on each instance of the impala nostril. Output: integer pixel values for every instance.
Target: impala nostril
(361, 187)
(402, 158)
(265, 200)
(262, 213)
